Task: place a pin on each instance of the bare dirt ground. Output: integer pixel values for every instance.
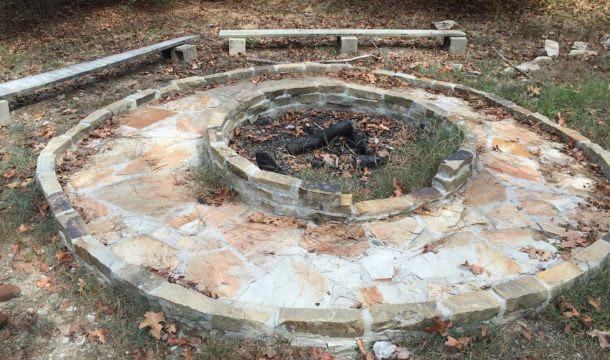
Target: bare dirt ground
(64, 313)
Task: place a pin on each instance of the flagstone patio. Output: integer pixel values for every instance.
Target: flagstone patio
(526, 192)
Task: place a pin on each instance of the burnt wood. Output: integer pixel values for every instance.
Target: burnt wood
(266, 162)
(321, 138)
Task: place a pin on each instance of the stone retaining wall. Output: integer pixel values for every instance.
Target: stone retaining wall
(335, 329)
(286, 195)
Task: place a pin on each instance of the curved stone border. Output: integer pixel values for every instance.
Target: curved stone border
(287, 195)
(331, 328)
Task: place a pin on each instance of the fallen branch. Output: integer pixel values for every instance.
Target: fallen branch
(510, 62)
(265, 61)
(338, 61)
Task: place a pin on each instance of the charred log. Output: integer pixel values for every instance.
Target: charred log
(266, 162)
(370, 161)
(321, 138)
(359, 143)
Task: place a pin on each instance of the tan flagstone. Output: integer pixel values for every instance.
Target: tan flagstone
(484, 189)
(220, 273)
(148, 252)
(510, 165)
(511, 147)
(145, 116)
(396, 233)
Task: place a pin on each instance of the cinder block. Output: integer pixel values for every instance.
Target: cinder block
(184, 54)
(456, 45)
(5, 115)
(349, 44)
(237, 46)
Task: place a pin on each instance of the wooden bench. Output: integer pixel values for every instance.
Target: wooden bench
(175, 49)
(454, 40)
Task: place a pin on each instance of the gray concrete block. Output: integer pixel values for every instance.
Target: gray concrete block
(349, 44)
(184, 54)
(456, 45)
(237, 46)
(5, 115)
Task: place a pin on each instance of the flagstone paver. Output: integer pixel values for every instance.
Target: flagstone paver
(465, 255)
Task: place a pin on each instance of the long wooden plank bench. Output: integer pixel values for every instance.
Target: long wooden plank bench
(454, 40)
(30, 83)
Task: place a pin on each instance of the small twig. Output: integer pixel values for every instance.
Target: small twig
(338, 61)
(510, 62)
(265, 61)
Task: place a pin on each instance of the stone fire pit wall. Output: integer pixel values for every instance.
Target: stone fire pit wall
(286, 195)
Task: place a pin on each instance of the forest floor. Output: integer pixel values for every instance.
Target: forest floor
(63, 312)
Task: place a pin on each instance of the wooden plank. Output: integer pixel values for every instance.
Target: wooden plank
(338, 32)
(30, 83)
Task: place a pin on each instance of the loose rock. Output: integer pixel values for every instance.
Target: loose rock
(443, 25)
(580, 45)
(528, 67)
(384, 349)
(582, 53)
(551, 48)
(542, 60)
(8, 292)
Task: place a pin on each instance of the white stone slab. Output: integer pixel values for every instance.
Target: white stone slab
(28, 84)
(338, 32)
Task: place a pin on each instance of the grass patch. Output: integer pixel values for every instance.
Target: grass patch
(412, 165)
(584, 103)
(211, 185)
(553, 335)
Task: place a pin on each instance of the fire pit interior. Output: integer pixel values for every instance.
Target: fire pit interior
(369, 156)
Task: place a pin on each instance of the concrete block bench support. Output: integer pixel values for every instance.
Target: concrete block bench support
(5, 115)
(348, 45)
(456, 45)
(184, 54)
(454, 40)
(237, 46)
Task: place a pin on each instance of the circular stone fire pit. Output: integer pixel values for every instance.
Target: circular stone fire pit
(286, 195)
(501, 232)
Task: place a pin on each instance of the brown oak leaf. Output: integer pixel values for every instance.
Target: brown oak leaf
(154, 320)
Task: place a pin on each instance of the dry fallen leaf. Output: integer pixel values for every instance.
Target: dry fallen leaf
(586, 321)
(476, 269)
(361, 346)
(440, 326)
(171, 328)
(154, 320)
(397, 188)
(46, 282)
(20, 266)
(533, 90)
(561, 120)
(596, 303)
(459, 344)
(603, 337)
(98, 334)
(81, 286)
(23, 228)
